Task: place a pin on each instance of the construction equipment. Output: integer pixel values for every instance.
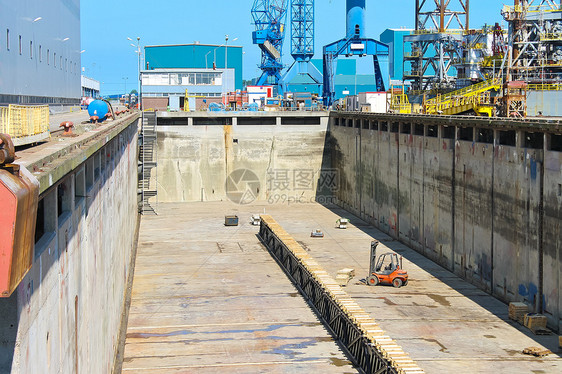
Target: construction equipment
(269, 18)
(439, 25)
(475, 98)
(302, 44)
(354, 44)
(19, 200)
(386, 269)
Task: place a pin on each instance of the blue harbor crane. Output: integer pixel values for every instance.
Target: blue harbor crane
(355, 44)
(302, 43)
(269, 18)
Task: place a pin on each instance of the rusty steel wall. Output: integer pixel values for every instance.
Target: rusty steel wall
(65, 315)
(489, 212)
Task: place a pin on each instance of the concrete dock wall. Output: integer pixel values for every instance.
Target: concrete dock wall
(198, 152)
(481, 198)
(65, 315)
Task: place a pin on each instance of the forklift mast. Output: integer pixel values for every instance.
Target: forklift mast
(372, 262)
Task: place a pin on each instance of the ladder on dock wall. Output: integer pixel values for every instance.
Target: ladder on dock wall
(147, 185)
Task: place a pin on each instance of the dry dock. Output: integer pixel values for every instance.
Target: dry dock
(209, 298)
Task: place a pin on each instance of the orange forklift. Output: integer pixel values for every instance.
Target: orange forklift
(385, 269)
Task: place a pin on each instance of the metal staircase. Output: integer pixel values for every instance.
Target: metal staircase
(147, 162)
(476, 97)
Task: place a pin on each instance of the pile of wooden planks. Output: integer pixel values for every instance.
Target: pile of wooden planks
(517, 311)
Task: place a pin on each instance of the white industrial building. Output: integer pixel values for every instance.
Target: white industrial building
(40, 52)
(90, 87)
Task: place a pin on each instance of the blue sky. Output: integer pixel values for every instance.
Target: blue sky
(106, 24)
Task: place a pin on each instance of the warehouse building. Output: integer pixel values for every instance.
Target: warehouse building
(39, 54)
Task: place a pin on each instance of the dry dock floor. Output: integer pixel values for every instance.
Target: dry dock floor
(209, 298)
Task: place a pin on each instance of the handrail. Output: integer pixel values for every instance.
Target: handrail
(545, 87)
(474, 89)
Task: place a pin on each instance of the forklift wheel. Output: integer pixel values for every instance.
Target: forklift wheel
(372, 280)
(397, 282)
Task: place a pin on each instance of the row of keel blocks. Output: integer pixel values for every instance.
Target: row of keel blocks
(388, 348)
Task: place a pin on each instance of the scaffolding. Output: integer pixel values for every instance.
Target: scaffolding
(434, 43)
(535, 42)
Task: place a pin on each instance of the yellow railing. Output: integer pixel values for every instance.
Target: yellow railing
(20, 121)
(412, 73)
(434, 31)
(475, 89)
(399, 102)
(529, 9)
(480, 103)
(552, 36)
(545, 87)
(412, 54)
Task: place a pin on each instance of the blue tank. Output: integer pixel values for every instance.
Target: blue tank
(98, 108)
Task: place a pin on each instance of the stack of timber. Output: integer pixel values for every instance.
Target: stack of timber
(517, 311)
(371, 333)
(344, 276)
(536, 323)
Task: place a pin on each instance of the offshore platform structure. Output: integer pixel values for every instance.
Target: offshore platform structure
(434, 43)
(534, 61)
(355, 44)
(302, 43)
(269, 18)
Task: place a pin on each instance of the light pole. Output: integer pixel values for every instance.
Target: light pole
(206, 62)
(226, 65)
(138, 51)
(225, 68)
(125, 80)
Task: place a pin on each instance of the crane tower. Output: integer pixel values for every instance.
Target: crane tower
(302, 43)
(269, 18)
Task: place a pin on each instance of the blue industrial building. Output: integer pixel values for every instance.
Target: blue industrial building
(394, 38)
(199, 69)
(347, 80)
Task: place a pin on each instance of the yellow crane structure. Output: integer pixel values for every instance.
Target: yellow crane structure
(186, 100)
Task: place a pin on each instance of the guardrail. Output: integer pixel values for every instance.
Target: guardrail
(545, 87)
(434, 31)
(473, 90)
(530, 8)
(25, 124)
(363, 339)
(550, 36)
